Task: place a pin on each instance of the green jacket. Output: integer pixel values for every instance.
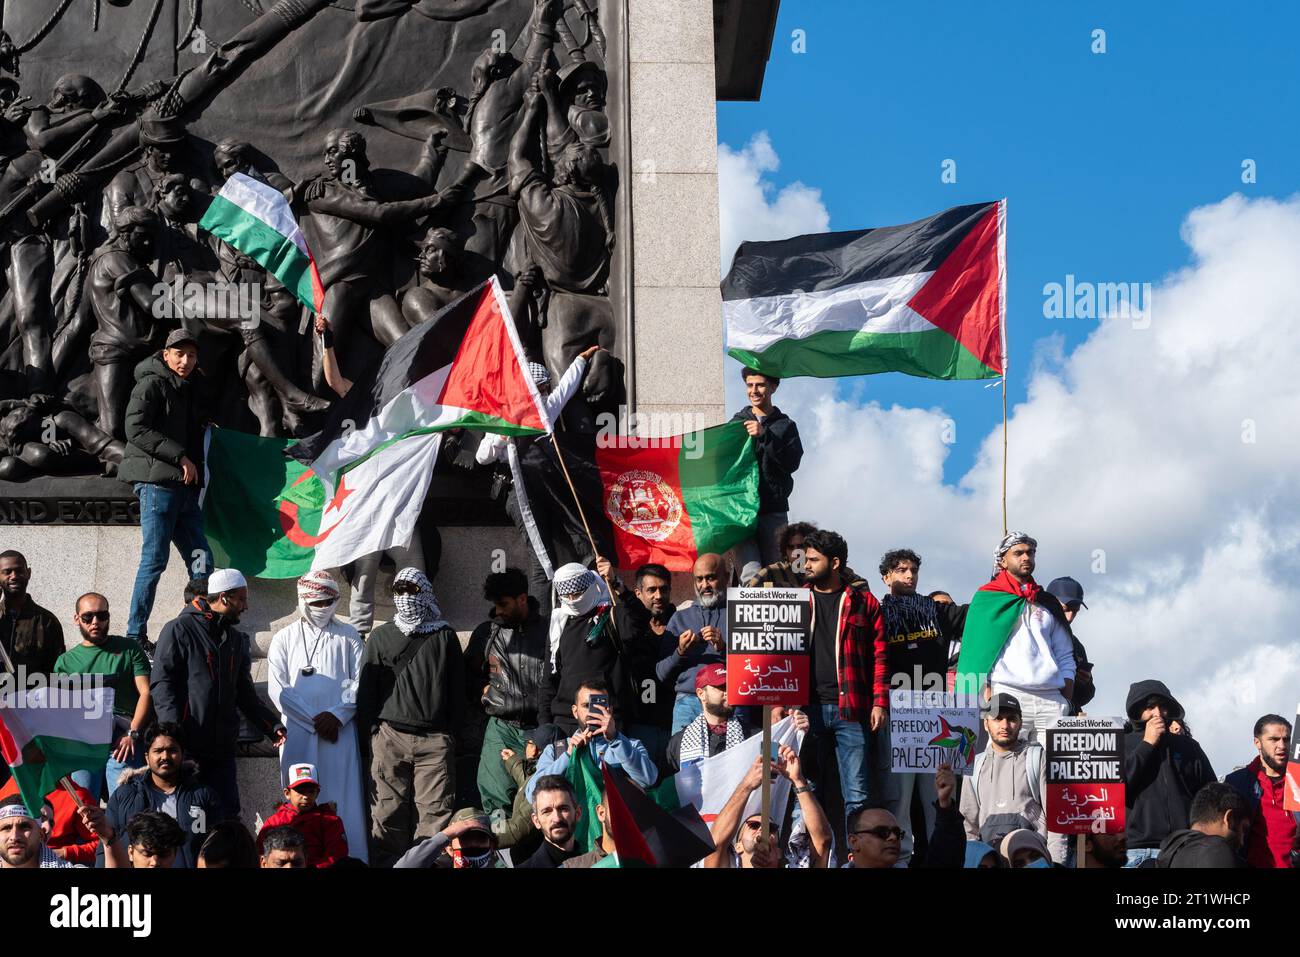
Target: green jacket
(416, 682)
(162, 425)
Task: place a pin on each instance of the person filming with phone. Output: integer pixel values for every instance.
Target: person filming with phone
(598, 733)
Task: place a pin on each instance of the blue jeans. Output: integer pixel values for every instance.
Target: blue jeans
(1139, 854)
(94, 780)
(168, 514)
(848, 741)
(686, 709)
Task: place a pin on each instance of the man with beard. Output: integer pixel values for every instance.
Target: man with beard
(122, 665)
(918, 633)
(850, 669)
(202, 679)
(716, 728)
(696, 636)
(412, 701)
(31, 638)
(22, 842)
(1035, 662)
(555, 813)
(1272, 841)
(1105, 851)
(312, 670)
(654, 587)
(167, 783)
(512, 669)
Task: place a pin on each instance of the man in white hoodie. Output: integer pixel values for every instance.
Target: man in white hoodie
(1037, 664)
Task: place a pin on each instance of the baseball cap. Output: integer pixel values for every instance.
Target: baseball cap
(1066, 590)
(302, 774)
(177, 336)
(710, 676)
(481, 821)
(1003, 702)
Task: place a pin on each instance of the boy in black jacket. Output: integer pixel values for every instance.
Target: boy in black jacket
(776, 442)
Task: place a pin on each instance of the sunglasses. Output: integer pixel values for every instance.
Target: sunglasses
(88, 616)
(406, 588)
(882, 833)
(321, 603)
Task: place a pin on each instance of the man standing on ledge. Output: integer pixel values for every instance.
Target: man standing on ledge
(776, 442)
(164, 463)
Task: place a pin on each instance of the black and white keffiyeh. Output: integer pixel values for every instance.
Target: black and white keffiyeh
(695, 738)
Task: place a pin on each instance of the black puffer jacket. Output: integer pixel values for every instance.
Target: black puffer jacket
(1161, 779)
(779, 454)
(163, 425)
(202, 678)
(515, 664)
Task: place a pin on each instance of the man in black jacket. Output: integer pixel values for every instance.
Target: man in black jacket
(164, 463)
(202, 679)
(411, 699)
(1220, 818)
(597, 638)
(515, 659)
(776, 442)
(1163, 772)
(168, 783)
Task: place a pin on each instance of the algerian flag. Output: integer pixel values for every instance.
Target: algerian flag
(927, 299)
(263, 514)
(688, 496)
(992, 616)
(47, 733)
(464, 368)
(255, 218)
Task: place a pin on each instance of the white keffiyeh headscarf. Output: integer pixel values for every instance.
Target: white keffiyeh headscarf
(315, 586)
(578, 590)
(418, 613)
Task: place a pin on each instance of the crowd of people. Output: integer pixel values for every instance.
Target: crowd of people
(607, 676)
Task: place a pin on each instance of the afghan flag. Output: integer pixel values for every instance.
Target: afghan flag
(994, 613)
(47, 733)
(673, 499)
(464, 368)
(255, 218)
(928, 299)
(263, 514)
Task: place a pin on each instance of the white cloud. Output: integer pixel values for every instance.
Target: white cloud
(1128, 450)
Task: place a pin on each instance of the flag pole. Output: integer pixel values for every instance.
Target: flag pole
(1004, 451)
(765, 807)
(578, 502)
(66, 783)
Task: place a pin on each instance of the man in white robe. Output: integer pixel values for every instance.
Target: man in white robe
(314, 664)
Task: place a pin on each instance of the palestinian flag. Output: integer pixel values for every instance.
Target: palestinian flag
(687, 496)
(993, 615)
(263, 514)
(255, 218)
(464, 368)
(928, 299)
(44, 737)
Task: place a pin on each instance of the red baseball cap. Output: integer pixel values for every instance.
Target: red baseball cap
(710, 676)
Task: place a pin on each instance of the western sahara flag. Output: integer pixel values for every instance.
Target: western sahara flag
(928, 299)
(464, 368)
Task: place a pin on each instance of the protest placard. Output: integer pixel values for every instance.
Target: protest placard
(769, 632)
(930, 728)
(1085, 775)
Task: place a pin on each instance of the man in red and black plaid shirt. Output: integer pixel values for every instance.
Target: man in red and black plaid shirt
(849, 668)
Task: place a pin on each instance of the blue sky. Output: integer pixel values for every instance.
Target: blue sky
(1101, 156)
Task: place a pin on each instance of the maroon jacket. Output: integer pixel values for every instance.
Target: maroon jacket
(323, 829)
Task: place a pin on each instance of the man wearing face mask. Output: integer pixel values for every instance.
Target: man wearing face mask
(202, 679)
(591, 637)
(312, 671)
(411, 700)
(467, 842)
